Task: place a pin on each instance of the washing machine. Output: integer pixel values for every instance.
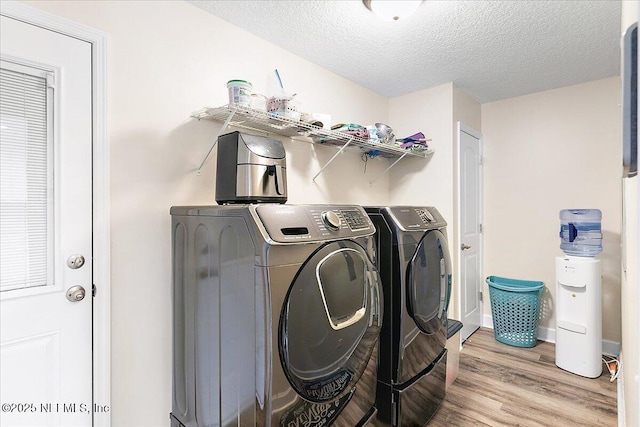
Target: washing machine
(414, 263)
(277, 311)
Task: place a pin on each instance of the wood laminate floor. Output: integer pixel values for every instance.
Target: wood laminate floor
(500, 385)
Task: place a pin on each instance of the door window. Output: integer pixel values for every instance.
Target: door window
(428, 282)
(330, 322)
(26, 207)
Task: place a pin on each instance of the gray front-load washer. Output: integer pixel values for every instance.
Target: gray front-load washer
(276, 316)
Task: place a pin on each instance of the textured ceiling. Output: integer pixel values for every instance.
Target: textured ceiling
(491, 49)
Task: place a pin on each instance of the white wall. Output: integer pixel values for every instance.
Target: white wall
(431, 183)
(467, 111)
(166, 60)
(546, 152)
(414, 181)
(434, 112)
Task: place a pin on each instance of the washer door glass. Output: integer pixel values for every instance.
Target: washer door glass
(330, 322)
(428, 277)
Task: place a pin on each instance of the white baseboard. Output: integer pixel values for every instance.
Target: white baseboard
(549, 335)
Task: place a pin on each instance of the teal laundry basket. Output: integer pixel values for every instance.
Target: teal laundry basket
(515, 307)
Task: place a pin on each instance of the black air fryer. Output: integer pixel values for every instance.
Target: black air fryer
(251, 169)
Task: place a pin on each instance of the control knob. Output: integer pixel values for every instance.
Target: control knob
(331, 220)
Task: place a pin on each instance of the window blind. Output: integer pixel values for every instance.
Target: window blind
(25, 193)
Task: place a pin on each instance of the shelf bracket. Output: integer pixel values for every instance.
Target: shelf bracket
(215, 141)
(387, 169)
(332, 159)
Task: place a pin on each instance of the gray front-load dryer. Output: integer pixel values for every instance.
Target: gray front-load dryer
(415, 268)
(276, 316)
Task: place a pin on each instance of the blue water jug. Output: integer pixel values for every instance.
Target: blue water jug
(581, 232)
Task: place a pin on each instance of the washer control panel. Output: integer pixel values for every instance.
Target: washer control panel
(331, 220)
(356, 219)
(301, 223)
(416, 218)
(425, 215)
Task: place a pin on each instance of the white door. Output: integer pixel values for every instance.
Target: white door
(45, 227)
(470, 249)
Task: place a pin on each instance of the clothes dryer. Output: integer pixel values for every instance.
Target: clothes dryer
(276, 316)
(414, 264)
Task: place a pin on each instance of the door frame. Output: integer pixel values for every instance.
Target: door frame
(100, 190)
(461, 127)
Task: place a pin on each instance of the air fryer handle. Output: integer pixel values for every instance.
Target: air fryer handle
(279, 181)
(273, 170)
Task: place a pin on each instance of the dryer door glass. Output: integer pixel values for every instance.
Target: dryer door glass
(428, 282)
(330, 322)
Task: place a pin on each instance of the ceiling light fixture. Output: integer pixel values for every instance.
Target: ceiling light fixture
(392, 10)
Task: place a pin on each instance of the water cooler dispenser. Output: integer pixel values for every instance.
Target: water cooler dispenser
(579, 293)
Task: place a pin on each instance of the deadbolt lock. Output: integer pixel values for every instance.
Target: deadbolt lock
(75, 261)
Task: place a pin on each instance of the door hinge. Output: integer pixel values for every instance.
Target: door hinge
(93, 290)
(480, 296)
(479, 228)
(479, 160)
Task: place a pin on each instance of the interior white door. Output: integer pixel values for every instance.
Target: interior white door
(46, 228)
(470, 250)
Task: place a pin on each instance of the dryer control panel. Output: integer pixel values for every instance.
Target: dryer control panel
(411, 218)
(307, 223)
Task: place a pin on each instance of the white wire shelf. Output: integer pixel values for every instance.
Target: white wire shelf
(261, 121)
